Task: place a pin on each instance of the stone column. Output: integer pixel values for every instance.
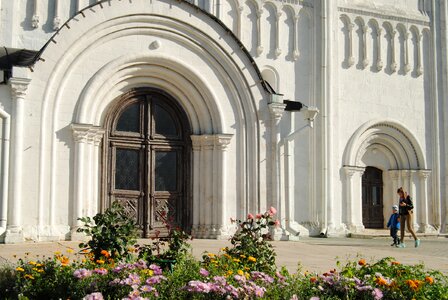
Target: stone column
(259, 44)
(220, 177)
(14, 232)
(406, 67)
(419, 67)
(81, 138)
(196, 145)
(35, 18)
(393, 63)
(350, 59)
(276, 111)
(239, 27)
(296, 53)
(207, 182)
(56, 20)
(97, 135)
(425, 225)
(278, 51)
(379, 61)
(354, 198)
(365, 59)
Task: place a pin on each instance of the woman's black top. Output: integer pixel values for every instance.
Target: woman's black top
(404, 210)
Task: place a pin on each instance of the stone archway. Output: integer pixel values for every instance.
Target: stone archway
(391, 147)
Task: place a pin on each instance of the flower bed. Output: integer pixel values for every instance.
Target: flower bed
(237, 272)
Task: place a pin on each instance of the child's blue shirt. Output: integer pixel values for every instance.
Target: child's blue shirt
(393, 221)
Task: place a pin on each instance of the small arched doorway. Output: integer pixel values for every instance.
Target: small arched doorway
(372, 198)
(147, 154)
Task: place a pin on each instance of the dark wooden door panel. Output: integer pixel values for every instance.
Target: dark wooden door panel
(372, 198)
(147, 158)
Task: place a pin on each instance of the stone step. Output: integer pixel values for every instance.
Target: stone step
(384, 233)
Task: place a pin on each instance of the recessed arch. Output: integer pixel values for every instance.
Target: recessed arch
(221, 91)
(393, 135)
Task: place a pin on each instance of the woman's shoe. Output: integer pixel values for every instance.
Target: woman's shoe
(417, 243)
(402, 245)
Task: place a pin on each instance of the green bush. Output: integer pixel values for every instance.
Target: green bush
(112, 231)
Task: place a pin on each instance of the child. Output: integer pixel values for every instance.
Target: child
(394, 224)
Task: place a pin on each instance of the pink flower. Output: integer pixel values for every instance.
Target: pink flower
(204, 272)
(259, 216)
(250, 216)
(277, 223)
(94, 296)
(272, 211)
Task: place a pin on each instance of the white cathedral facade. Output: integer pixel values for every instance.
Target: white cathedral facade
(177, 110)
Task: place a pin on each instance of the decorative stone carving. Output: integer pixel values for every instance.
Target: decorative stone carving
(393, 63)
(56, 23)
(35, 21)
(19, 87)
(365, 61)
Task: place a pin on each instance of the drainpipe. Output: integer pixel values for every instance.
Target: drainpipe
(5, 170)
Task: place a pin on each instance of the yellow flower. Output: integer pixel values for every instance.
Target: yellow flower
(243, 256)
(69, 250)
(33, 263)
(28, 276)
(226, 255)
(20, 269)
(35, 269)
(40, 271)
(362, 262)
(252, 259)
(148, 272)
(224, 249)
(100, 261)
(247, 275)
(57, 253)
(229, 272)
(211, 255)
(236, 260)
(240, 272)
(39, 265)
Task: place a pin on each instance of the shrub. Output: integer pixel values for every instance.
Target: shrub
(251, 241)
(112, 231)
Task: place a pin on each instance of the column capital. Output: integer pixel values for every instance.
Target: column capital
(352, 170)
(222, 141)
(87, 133)
(196, 142)
(276, 110)
(19, 87)
(405, 173)
(394, 174)
(424, 174)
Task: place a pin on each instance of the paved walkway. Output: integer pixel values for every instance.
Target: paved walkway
(314, 254)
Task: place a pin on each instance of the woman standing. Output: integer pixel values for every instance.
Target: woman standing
(406, 212)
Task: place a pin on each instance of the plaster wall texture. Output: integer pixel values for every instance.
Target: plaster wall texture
(378, 57)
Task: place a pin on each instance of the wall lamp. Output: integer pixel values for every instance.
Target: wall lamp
(309, 112)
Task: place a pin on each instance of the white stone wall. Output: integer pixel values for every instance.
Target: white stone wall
(366, 62)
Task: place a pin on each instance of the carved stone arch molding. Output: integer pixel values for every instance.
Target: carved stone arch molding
(112, 49)
(405, 166)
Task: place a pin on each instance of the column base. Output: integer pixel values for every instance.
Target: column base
(78, 236)
(426, 228)
(14, 236)
(356, 228)
(279, 234)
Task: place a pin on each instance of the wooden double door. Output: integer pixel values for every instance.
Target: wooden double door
(148, 154)
(372, 198)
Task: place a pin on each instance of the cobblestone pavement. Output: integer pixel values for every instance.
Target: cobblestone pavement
(314, 254)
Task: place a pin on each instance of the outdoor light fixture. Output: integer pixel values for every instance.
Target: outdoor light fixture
(310, 112)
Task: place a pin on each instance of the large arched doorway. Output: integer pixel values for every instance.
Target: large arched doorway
(147, 154)
(372, 198)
